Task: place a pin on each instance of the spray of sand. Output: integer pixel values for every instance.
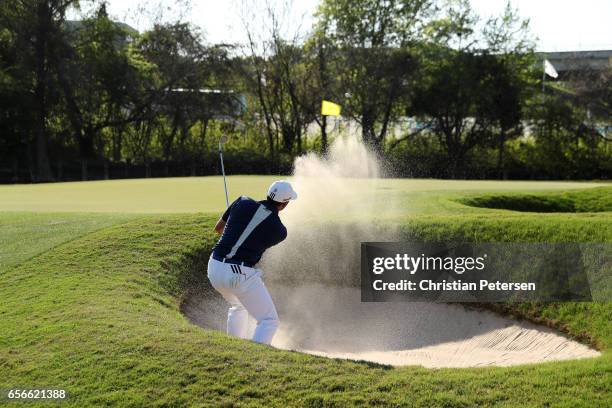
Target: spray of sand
(338, 205)
(339, 187)
(314, 278)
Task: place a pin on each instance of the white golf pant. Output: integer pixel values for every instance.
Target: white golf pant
(246, 293)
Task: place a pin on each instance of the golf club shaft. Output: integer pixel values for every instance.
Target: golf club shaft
(223, 171)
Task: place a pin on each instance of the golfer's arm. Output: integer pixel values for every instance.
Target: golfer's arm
(220, 226)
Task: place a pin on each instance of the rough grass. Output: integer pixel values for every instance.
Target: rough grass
(99, 316)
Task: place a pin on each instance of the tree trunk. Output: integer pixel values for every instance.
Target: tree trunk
(324, 87)
(271, 144)
(183, 153)
(84, 174)
(500, 158)
(15, 170)
(324, 135)
(267, 116)
(31, 168)
(454, 160)
(453, 168)
(43, 167)
(117, 145)
(369, 137)
(60, 169)
(203, 132)
(276, 160)
(367, 129)
(169, 141)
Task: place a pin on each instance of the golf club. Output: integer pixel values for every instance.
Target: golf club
(222, 141)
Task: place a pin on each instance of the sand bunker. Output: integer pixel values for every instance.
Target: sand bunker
(339, 206)
(332, 322)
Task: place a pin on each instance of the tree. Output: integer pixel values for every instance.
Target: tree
(323, 86)
(508, 38)
(372, 40)
(37, 27)
(188, 75)
(592, 91)
(571, 128)
(96, 79)
(274, 71)
(16, 115)
(474, 85)
(289, 84)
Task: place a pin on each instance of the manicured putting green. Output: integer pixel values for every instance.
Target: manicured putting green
(164, 195)
(205, 194)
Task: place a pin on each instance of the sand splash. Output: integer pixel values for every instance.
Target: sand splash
(338, 207)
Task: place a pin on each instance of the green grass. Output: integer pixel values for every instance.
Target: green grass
(24, 235)
(164, 195)
(588, 322)
(205, 194)
(591, 200)
(90, 303)
(111, 333)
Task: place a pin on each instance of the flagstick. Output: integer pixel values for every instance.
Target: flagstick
(543, 89)
(329, 109)
(543, 73)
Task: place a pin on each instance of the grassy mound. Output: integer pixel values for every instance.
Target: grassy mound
(590, 200)
(588, 322)
(99, 315)
(25, 235)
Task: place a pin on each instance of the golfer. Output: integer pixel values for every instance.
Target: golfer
(247, 229)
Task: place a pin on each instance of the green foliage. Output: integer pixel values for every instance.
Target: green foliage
(474, 85)
(562, 142)
(373, 24)
(95, 93)
(376, 62)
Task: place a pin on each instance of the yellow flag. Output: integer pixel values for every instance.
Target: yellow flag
(330, 109)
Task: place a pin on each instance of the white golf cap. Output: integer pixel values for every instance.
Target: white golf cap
(281, 191)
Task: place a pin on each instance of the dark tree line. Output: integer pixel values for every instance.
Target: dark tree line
(93, 98)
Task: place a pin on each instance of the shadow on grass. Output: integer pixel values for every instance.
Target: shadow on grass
(577, 201)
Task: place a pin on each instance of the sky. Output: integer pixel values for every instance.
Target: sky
(559, 25)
